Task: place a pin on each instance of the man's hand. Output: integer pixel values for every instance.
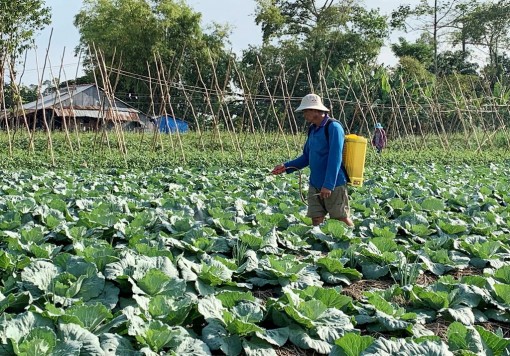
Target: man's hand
(279, 169)
(325, 193)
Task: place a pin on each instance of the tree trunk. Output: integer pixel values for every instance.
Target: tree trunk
(435, 36)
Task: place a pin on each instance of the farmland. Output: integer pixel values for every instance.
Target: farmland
(206, 259)
(118, 238)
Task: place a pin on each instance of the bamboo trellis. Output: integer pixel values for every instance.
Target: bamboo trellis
(414, 116)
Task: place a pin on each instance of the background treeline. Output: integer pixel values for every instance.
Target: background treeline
(454, 76)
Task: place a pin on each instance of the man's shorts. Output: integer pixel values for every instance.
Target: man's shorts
(337, 205)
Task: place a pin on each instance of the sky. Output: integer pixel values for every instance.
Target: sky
(65, 37)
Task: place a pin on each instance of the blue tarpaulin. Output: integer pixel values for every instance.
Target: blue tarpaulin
(169, 124)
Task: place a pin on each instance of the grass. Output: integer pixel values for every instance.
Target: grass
(147, 151)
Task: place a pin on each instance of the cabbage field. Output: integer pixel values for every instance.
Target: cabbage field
(215, 260)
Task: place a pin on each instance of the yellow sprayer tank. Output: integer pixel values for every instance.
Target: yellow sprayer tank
(355, 148)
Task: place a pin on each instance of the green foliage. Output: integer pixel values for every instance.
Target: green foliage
(411, 69)
(439, 18)
(19, 22)
(134, 260)
(487, 25)
(323, 37)
(453, 62)
(20, 95)
(148, 38)
(352, 345)
(141, 153)
(421, 50)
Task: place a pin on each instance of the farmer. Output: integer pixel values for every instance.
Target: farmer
(379, 140)
(327, 192)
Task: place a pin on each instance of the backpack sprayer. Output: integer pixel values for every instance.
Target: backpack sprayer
(353, 162)
(355, 149)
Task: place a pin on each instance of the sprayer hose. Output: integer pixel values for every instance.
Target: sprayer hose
(300, 180)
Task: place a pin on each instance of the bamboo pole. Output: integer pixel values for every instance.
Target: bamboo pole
(458, 106)
(6, 118)
(99, 138)
(41, 77)
(207, 98)
(251, 108)
(76, 131)
(109, 106)
(164, 97)
(157, 135)
(58, 99)
(169, 102)
(280, 128)
(193, 113)
(253, 100)
(289, 109)
(246, 108)
(222, 102)
(112, 105)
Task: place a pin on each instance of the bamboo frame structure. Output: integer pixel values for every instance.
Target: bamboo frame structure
(222, 116)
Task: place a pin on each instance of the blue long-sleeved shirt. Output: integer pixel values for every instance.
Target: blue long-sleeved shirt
(324, 159)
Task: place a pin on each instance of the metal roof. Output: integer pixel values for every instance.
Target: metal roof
(48, 101)
(120, 114)
(54, 102)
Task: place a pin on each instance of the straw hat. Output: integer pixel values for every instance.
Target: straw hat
(378, 126)
(312, 101)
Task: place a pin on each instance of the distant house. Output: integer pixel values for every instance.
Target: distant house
(82, 107)
(169, 124)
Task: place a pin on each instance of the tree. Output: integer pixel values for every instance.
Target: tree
(19, 22)
(499, 72)
(281, 18)
(504, 66)
(455, 62)
(317, 28)
(422, 49)
(317, 36)
(410, 74)
(488, 25)
(26, 94)
(439, 19)
(136, 33)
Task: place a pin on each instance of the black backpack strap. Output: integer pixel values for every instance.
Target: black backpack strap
(342, 167)
(326, 130)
